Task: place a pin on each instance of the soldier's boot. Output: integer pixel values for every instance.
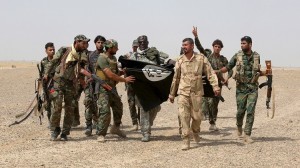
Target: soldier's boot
(248, 139)
(213, 127)
(186, 143)
(135, 127)
(196, 137)
(101, 138)
(63, 137)
(239, 132)
(88, 130)
(55, 133)
(116, 130)
(146, 138)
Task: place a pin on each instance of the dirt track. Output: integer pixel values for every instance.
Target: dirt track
(276, 143)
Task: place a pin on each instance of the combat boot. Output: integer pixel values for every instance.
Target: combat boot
(101, 138)
(186, 144)
(239, 132)
(213, 127)
(63, 137)
(146, 138)
(88, 130)
(196, 137)
(55, 133)
(248, 139)
(135, 127)
(116, 130)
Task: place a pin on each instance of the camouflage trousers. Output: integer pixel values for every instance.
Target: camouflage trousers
(76, 108)
(90, 103)
(210, 107)
(106, 101)
(131, 103)
(47, 107)
(64, 91)
(246, 102)
(189, 111)
(147, 117)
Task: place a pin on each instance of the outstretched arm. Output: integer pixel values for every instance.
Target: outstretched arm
(197, 41)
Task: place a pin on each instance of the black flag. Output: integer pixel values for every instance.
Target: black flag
(153, 82)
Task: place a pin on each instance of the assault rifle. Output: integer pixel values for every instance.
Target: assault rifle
(36, 103)
(99, 81)
(270, 89)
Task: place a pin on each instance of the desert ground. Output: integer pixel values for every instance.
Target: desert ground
(276, 141)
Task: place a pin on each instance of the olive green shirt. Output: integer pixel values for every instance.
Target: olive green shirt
(103, 62)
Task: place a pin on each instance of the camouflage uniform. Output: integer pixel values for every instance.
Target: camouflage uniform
(187, 83)
(131, 103)
(76, 120)
(247, 68)
(44, 64)
(90, 99)
(150, 55)
(106, 98)
(131, 95)
(210, 105)
(65, 86)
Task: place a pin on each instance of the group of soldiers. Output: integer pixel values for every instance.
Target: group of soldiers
(73, 70)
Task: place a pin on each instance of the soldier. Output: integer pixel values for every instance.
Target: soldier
(187, 83)
(50, 51)
(107, 70)
(80, 89)
(90, 100)
(247, 64)
(130, 93)
(217, 62)
(151, 55)
(67, 63)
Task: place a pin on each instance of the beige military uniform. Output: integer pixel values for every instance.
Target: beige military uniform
(187, 83)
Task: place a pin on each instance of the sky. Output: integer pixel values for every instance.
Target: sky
(274, 25)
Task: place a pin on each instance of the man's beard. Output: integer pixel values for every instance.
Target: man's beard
(245, 49)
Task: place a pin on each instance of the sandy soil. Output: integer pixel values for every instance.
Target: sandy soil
(276, 143)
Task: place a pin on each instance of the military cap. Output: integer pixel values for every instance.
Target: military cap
(246, 38)
(142, 37)
(135, 43)
(81, 37)
(110, 43)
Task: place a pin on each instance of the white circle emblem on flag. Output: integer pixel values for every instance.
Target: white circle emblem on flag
(155, 73)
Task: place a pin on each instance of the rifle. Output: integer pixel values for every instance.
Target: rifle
(269, 83)
(38, 85)
(36, 104)
(220, 76)
(99, 80)
(208, 90)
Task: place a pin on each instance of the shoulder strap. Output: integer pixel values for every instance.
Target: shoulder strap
(64, 58)
(239, 60)
(256, 65)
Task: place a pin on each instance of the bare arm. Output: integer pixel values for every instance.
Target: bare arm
(117, 78)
